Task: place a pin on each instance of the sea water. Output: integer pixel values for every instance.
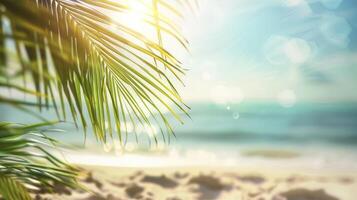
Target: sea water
(321, 133)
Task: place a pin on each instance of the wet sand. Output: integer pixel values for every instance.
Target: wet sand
(205, 183)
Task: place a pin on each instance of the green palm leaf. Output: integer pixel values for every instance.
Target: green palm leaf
(76, 51)
(73, 53)
(25, 161)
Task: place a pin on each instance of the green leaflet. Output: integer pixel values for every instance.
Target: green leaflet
(11, 189)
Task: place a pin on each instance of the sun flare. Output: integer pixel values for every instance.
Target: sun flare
(134, 16)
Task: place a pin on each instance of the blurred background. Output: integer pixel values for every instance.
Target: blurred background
(268, 81)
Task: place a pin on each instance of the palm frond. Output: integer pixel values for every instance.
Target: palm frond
(26, 163)
(76, 51)
(12, 189)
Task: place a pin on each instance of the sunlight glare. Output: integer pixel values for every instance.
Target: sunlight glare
(222, 94)
(274, 50)
(107, 147)
(125, 127)
(284, 50)
(206, 76)
(287, 98)
(236, 115)
(294, 2)
(129, 147)
(150, 130)
(297, 50)
(336, 30)
(134, 17)
(118, 148)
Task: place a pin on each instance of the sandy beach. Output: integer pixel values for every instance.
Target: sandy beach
(205, 183)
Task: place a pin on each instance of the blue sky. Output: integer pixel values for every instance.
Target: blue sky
(284, 50)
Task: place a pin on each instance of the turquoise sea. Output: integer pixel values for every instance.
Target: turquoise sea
(317, 131)
(324, 123)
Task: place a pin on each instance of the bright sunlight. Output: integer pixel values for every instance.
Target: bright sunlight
(135, 15)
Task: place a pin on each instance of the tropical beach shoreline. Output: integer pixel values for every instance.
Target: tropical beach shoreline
(217, 170)
(178, 100)
(251, 171)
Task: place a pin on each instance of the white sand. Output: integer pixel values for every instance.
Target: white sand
(209, 182)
